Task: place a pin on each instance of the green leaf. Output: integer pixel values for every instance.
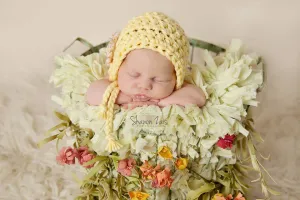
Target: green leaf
(62, 134)
(242, 169)
(76, 178)
(133, 179)
(255, 134)
(96, 159)
(206, 196)
(253, 155)
(245, 152)
(62, 117)
(61, 125)
(240, 182)
(95, 170)
(224, 174)
(107, 190)
(201, 189)
(41, 143)
(274, 192)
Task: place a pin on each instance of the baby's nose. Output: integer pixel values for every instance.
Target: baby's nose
(145, 85)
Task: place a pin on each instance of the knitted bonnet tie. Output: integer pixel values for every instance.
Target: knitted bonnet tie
(154, 31)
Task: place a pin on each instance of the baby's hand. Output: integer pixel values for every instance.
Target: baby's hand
(136, 103)
(171, 100)
(188, 94)
(123, 98)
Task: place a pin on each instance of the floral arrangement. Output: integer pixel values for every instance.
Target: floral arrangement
(171, 152)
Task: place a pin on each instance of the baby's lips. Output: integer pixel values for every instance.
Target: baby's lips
(155, 100)
(141, 98)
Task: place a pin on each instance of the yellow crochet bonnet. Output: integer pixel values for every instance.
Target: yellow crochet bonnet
(152, 30)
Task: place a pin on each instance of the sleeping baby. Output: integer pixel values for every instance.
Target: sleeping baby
(147, 62)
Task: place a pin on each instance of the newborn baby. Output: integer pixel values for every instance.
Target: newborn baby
(147, 78)
(147, 64)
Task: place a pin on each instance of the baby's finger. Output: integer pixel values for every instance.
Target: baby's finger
(141, 103)
(125, 106)
(152, 103)
(132, 106)
(137, 104)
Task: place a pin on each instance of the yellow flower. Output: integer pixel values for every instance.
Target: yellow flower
(181, 163)
(137, 195)
(165, 152)
(218, 196)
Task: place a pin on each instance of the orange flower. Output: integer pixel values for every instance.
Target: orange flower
(218, 196)
(137, 195)
(239, 197)
(165, 152)
(148, 172)
(163, 179)
(181, 163)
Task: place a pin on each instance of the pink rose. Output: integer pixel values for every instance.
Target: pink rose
(67, 155)
(163, 179)
(226, 142)
(84, 156)
(125, 166)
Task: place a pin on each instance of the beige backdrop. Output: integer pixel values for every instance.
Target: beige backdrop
(33, 32)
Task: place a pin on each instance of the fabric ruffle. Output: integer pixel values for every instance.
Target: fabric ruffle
(230, 82)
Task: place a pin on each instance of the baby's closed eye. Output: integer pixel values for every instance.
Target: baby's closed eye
(161, 80)
(154, 79)
(134, 75)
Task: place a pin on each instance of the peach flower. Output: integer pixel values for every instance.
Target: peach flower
(239, 197)
(163, 179)
(148, 172)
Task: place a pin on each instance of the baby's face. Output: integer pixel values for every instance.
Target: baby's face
(146, 74)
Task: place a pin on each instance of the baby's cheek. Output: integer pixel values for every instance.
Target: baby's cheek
(121, 83)
(164, 91)
(125, 85)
